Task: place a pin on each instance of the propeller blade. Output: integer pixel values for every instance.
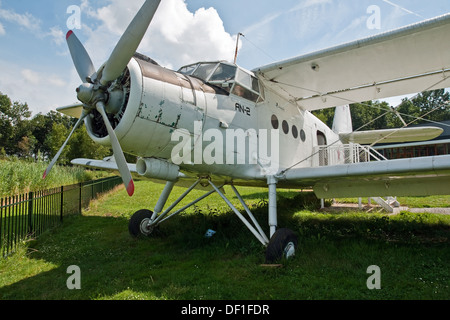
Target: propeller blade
(129, 42)
(80, 57)
(52, 163)
(118, 153)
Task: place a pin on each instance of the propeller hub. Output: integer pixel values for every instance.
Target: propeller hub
(90, 94)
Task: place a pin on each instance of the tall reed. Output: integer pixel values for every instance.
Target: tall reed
(19, 176)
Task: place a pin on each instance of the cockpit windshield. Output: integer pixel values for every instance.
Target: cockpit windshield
(204, 70)
(224, 72)
(228, 77)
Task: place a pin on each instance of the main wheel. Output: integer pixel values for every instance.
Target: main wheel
(283, 244)
(138, 223)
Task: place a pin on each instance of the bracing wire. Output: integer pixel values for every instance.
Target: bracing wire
(372, 106)
(349, 101)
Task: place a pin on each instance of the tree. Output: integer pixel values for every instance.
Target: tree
(433, 105)
(82, 146)
(42, 126)
(14, 124)
(55, 140)
(43, 134)
(369, 115)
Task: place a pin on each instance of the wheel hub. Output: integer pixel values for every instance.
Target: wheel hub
(145, 227)
(289, 250)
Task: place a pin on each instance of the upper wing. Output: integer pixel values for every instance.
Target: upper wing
(408, 60)
(402, 177)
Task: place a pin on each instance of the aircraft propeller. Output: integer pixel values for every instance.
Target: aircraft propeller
(92, 93)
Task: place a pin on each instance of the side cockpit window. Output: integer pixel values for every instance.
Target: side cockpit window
(247, 86)
(227, 77)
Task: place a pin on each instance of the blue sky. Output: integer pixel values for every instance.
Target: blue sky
(36, 67)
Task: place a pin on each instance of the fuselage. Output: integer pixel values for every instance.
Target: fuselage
(226, 125)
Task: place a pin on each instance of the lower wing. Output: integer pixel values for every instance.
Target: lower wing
(403, 177)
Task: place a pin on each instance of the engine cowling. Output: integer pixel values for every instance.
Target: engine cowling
(145, 105)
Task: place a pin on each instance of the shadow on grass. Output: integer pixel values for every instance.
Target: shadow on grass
(180, 263)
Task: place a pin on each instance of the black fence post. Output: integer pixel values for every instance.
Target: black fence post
(80, 206)
(28, 215)
(30, 212)
(62, 205)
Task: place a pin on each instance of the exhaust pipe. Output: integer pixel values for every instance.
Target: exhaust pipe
(158, 169)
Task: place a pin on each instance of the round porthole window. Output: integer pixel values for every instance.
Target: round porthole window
(295, 132)
(275, 123)
(303, 135)
(285, 127)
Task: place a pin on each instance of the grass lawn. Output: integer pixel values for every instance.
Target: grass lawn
(178, 263)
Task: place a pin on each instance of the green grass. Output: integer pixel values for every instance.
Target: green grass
(335, 250)
(18, 176)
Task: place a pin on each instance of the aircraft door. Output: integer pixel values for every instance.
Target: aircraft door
(323, 152)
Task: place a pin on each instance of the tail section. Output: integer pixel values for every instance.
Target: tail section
(342, 122)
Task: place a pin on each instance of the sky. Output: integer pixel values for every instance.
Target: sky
(36, 67)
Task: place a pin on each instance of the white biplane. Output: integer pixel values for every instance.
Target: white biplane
(212, 124)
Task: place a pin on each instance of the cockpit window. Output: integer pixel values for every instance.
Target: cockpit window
(188, 69)
(224, 72)
(242, 92)
(204, 70)
(227, 77)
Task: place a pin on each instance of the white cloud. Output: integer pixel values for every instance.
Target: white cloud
(32, 24)
(36, 78)
(42, 91)
(176, 36)
(25, 20)
(30, 76)
(57, 35)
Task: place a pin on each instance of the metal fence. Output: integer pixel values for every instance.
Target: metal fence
(28, 215)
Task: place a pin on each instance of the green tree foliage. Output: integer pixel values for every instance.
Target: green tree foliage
(40, 137)
(15, 129)
(82, 144)
(432, 105)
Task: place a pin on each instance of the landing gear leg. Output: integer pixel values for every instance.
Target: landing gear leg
(163, 198)
(273, 220)
(283, 242)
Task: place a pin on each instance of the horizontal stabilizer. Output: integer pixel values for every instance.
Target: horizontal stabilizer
(73, 110)
(392, 135)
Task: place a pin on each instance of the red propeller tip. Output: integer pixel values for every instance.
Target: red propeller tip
(45, 175)
(130, 188)
(69, 34)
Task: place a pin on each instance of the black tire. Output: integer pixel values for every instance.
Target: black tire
(134, 226)
(281, 245)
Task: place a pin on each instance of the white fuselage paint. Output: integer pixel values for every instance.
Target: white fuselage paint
(157, 107)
